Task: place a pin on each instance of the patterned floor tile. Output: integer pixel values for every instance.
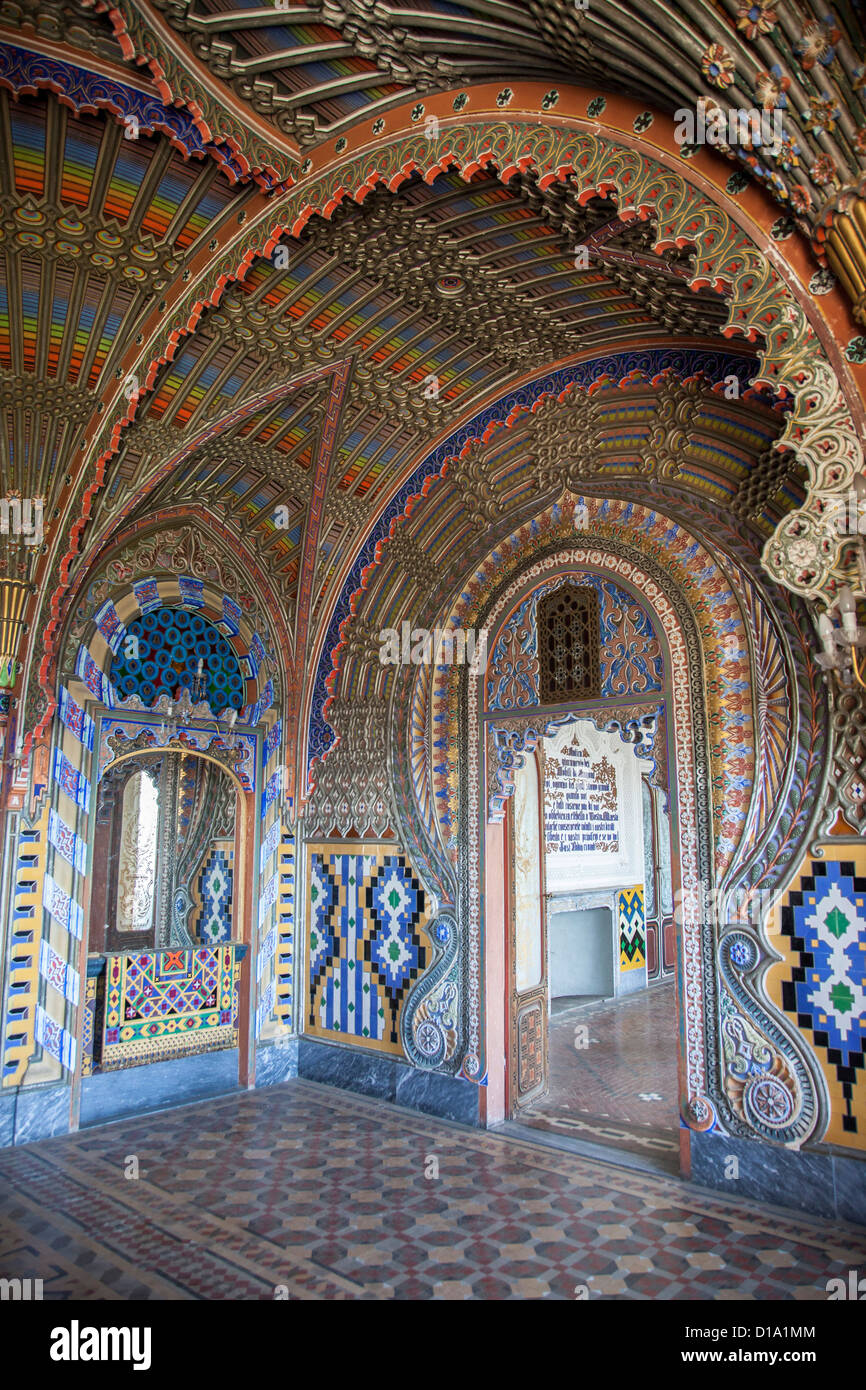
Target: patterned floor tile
(324, 1194)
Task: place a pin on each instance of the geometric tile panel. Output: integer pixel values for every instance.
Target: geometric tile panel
(109, 625)
(25, 931)
(265, 1007)
(271, 791)
(284, 964)
(58, 903)
(215, 888)
(72, 782)
(75, 719)
(269, 897)
(632, 933)
(266, 951)
(162, 1004)
(269, 844)
(88, 671)
(821, 984)
(365, 947)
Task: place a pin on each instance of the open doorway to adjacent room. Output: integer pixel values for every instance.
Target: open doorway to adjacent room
(593, 937)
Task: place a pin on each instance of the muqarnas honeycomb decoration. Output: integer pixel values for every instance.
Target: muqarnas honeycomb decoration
(170, 642)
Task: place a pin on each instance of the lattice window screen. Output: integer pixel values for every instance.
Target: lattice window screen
(568, 645)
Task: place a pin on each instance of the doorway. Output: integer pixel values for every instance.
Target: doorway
(592, 977)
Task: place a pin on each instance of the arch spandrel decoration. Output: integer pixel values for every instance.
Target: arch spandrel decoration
(629, 655)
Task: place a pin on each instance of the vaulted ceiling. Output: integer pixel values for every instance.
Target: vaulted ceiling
(326, 371)
(440, 296)
(306, 70)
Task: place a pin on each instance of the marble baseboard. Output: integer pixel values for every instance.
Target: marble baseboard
(276, 1062)
(631, 982)
(447, 1097)
(386, 1078)
(850, 1176)
(32, 1113)
(114, 1095)
(815, 1184)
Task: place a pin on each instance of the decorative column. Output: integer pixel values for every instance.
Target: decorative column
(13, 597)
(841, 241)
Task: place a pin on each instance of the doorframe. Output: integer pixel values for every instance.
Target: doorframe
(494, 842)
(534, 994)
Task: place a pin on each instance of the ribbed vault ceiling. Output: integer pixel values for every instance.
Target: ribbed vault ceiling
(311, 68)
(441, 297)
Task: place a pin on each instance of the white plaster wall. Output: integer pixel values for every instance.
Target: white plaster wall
(581, 952)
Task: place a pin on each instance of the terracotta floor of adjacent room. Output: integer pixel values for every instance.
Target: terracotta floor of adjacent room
(324, 1194)
(619, 1087)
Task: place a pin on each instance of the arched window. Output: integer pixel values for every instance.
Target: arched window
(568, 645)
(137, 859)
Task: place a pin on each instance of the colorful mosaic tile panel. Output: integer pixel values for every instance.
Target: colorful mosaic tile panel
(73, 782)
(365, 943)
(191, 592)
(272, 742)
(88, 1031)
(75, 719)
(25, 930)
(820, 928)
(271, 791)
(58, 903)
(632, 932)
(69, 846)
(215, 886)
(269, 844)
(266, 952)
(92, 676)
(285, 931)
(268, 897)
(110, 625)
(265, 1008)
(54, 969)
(55, 1039)
(147, 594)
(169, 1003)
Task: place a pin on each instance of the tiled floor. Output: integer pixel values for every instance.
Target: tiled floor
(616, 1082)
(317, 1193)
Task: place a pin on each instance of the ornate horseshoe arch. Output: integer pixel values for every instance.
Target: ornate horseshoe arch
(783, 1098)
